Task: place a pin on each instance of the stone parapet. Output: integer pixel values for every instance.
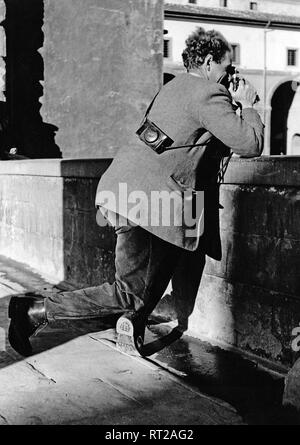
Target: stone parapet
(48, 219)
(251, 299)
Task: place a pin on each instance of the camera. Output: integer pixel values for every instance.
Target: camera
(232, 78)
(235, 79)
(154, 137)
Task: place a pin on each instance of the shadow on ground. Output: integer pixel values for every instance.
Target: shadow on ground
(252, 390)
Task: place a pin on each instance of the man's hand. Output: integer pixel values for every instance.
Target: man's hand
(245, 95)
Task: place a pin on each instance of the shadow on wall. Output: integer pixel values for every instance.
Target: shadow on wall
(24, 72)
(88, 250)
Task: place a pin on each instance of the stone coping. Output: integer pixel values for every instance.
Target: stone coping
(78, 168)
(265, 170)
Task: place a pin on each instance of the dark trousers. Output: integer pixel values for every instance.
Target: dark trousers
(185, 284)
(144, 266)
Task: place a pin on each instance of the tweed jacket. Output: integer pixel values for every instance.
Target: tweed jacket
(185, 109)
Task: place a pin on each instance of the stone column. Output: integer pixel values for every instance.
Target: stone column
(102, 66)
(267, 142)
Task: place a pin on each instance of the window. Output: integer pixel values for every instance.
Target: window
(292, 57)
(167, 48)
(224, 3)
(253, 6)
(235, 53)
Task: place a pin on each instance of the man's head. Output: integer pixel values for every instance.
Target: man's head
(209, 52)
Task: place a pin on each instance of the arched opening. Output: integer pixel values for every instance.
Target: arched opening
(29, 135)
(281, 103)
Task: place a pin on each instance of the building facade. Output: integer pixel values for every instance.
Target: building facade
(282, 7)
(265, 38)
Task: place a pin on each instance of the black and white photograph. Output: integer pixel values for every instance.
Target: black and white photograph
(149, 215)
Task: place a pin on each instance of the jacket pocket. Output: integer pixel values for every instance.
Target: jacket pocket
(176, 185)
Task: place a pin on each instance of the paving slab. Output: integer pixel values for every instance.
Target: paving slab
(86, 381)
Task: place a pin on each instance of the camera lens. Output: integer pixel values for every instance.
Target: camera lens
(151, 135)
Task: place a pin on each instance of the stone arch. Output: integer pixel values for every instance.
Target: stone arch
(279, 101)
(274, 87)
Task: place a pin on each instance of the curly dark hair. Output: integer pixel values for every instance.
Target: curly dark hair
(201, 43)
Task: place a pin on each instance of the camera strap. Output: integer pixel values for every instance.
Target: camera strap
(204, 138)
(150, 106)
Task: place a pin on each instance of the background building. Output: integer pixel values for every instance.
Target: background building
(282, 7)
(265, 36)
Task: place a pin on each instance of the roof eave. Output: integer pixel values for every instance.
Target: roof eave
(197, 16)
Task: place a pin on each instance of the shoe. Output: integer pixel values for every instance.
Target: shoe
(28, 317)
(130, 331)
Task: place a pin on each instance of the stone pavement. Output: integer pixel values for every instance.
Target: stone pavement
(87, 382)
(82, 379)
(76, 375)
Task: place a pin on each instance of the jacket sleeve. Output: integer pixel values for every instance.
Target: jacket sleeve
(243, 134)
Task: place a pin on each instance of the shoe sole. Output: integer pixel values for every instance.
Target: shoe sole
(12, 308)
(126, 341)
(17, 339)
